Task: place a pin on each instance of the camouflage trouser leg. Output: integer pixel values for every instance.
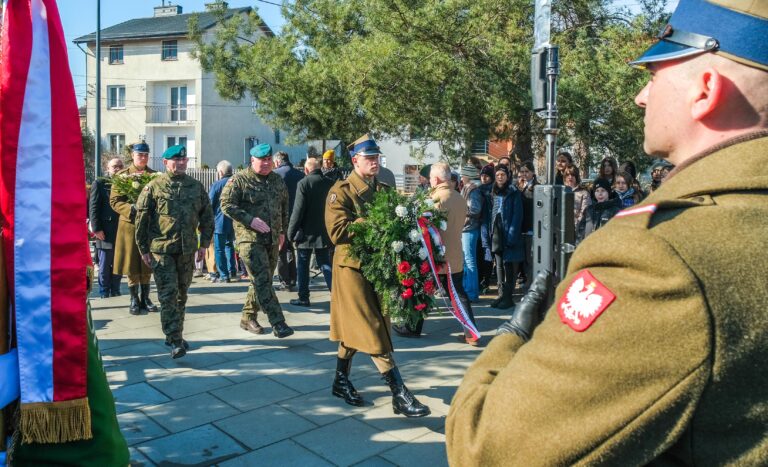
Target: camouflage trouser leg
(260, 262)
(173, 274)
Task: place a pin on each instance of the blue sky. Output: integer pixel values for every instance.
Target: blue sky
(78, 18)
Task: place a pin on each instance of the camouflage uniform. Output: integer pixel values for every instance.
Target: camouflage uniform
(248, 195)
(170, 211)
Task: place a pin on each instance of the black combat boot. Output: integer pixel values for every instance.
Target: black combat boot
(403, 401)
(146, 303)
(134, 306)
(178, 349)
(342, 386)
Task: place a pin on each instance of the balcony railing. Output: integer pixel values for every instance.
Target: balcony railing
(171, 114)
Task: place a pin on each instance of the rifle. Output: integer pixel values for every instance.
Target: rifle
(553, 224)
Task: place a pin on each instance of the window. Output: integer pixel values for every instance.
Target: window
(115, 54)
(170, 50)
(116, 143)
(115, 97)
(277, 136)
(174, 140)
(179, 104)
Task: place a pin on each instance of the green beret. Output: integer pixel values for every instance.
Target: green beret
(261, 150)
(424, 172)
(175, 151)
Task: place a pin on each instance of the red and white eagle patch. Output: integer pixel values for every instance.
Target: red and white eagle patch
(585, 299)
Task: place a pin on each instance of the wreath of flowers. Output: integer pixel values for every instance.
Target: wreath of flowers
(391, 248)
(130, 185)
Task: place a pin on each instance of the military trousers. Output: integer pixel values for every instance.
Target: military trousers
(260, 262)
(173, 275)
(384, 362)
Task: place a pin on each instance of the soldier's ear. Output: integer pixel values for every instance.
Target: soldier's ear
(708, 87)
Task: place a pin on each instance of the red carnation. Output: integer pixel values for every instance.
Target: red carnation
(420, 306)
(429, 287)
(408, 293)
(424, 268)
(408, 282)
(403, 267)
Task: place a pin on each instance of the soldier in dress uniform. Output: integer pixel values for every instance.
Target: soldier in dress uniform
(256, 199)
(127, 257)
(171, 210)
(653, 354)
(357, 323)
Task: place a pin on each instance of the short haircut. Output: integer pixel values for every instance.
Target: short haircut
(224, 167)
(441, 170)
(311, 164)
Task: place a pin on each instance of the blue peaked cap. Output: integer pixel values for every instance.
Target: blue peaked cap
(261, 150)
(699, 26)
(366, 147)
(141, 147)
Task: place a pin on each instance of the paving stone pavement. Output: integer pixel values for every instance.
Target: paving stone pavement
(238, 399)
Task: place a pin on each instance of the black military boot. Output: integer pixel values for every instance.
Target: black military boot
(134, 307)
(178, 349)
(403, 401)
(342, 386)
(146, 303)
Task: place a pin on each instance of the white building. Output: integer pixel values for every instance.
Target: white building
(152, 89)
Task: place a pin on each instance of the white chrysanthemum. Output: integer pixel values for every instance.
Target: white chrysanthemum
(443, 225)
(414, 235)
(423, 253)
(136, 185)
(401, 211)
(429, 203)
(398, 246)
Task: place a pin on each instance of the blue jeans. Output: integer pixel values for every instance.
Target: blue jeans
(469, 245)
(302, 269)
(224, 250)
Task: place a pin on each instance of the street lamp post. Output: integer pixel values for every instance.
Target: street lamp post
(97, 142)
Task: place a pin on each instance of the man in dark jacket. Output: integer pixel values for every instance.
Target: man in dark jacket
(307, 228)
(224, 232)
(104, 227)
(286, 262)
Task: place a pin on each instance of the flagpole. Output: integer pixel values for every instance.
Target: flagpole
(97, 142)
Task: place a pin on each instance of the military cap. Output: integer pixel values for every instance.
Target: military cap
(175, 151)
(261, 150)
(660, 164)
(141, 147)
(365, 146)
(424, 172)
(735, 29)
(329, 155)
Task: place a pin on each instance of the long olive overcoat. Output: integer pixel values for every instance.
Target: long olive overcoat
(356, 318)
(127, 257)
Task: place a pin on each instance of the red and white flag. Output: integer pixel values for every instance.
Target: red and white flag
(43, 202)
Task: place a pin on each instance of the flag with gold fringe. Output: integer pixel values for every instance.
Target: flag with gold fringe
(43, 202)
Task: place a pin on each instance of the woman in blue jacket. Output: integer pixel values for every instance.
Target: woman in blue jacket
(501, 235)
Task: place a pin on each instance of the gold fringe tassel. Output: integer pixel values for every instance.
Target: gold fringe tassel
(56, 422)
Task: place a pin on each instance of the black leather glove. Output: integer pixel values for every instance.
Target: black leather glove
(132, 217)
(527, 313)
